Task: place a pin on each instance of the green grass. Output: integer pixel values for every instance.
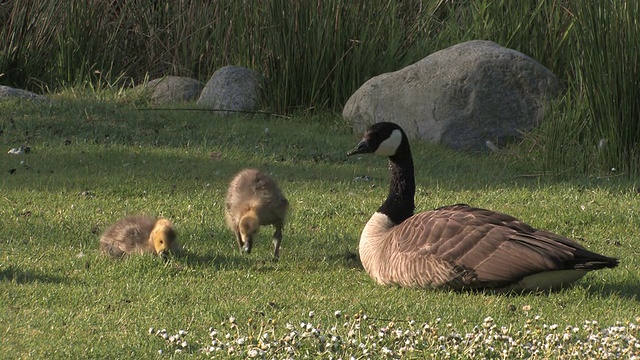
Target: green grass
(92, 162)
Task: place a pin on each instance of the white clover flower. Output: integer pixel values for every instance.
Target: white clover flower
(232, 319)
(338, 313)
(311, 314)
(182, 332)
(252, 353)
(151, 330)
(553, 327)
(240, 341)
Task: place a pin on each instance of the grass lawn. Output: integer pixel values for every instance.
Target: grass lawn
(90, 163)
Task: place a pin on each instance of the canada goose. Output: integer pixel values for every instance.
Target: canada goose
(254, 199)
(458, 246)
(139, 234)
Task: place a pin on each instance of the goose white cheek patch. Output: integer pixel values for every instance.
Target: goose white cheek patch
(390, 145)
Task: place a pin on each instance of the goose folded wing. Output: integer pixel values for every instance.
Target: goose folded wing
(483, 248)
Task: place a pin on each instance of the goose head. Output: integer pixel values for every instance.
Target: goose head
(248, 227)
(388, 139)
(162, 237)
(384, 139)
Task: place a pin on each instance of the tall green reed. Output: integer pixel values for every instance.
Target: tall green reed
(607, 70)
(317, 53)
(314, 53)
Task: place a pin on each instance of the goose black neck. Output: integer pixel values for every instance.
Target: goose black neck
(399, 205)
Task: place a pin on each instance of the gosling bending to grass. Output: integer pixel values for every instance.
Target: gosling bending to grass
(254, 199)
(138, 234)
(458, 246)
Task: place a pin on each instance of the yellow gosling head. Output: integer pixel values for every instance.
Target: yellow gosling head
(162, 237)
(248, 226)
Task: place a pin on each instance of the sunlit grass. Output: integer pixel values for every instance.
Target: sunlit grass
(93, 162)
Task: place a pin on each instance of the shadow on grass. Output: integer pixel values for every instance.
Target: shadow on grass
(347, 259)
(217, 261)
(626, 290)
(19, 276)
(265, 263)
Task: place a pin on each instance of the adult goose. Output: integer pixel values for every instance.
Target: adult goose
(458, 246)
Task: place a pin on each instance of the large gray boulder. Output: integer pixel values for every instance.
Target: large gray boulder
(233, 88)
(174, 89)
(462, 96)
(7, 93)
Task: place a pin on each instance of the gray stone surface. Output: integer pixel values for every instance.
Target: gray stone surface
(461, 96)
(7, 92)
(233, 88)
(174, 89)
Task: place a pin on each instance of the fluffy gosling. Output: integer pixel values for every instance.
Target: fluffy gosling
(139, 234)
(254, 199)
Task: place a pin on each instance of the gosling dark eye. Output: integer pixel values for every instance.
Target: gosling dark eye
(161, 242)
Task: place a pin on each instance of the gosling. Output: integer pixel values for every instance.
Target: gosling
(254, 199)
(139, 234)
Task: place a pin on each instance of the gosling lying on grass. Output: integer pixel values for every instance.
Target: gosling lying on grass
(254, 199)
(139, 234)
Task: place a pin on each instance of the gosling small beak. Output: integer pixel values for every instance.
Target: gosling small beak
(361, 148)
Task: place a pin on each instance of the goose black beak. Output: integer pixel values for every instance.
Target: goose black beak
(361, 148)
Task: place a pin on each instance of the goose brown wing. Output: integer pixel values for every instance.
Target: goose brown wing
(483, 246)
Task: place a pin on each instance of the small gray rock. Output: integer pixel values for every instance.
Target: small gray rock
(7, 92)
(233, 88)
(174, 89)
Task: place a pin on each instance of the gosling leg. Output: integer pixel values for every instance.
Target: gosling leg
(277, 239)
(239, 239)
